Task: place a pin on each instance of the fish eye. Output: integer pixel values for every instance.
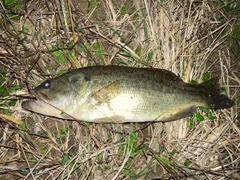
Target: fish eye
(47, 84)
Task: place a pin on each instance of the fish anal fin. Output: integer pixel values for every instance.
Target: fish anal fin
(171, 115)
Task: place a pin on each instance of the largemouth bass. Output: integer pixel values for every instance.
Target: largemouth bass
(117, 94)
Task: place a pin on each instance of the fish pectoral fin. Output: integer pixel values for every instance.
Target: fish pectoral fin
(107, 92)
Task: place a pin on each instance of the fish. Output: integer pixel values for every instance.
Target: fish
(120, 94)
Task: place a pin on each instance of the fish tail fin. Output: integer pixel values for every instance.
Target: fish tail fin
(215, 99)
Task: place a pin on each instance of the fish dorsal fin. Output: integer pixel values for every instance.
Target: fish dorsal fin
(107, 92)
(170, 76)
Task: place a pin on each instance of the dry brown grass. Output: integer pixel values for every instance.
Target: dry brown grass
(45, 38)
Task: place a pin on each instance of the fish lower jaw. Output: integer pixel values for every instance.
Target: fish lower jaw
(42, 107)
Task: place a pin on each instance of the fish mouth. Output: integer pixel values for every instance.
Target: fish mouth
(40, 101)
(43, 97)
(33, 104)
(42, 105)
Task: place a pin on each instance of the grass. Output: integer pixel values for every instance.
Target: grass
(196, 41)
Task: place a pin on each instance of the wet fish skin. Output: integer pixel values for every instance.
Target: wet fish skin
(117, 94)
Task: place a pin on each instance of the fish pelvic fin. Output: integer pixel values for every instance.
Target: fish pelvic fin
(215, 99)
